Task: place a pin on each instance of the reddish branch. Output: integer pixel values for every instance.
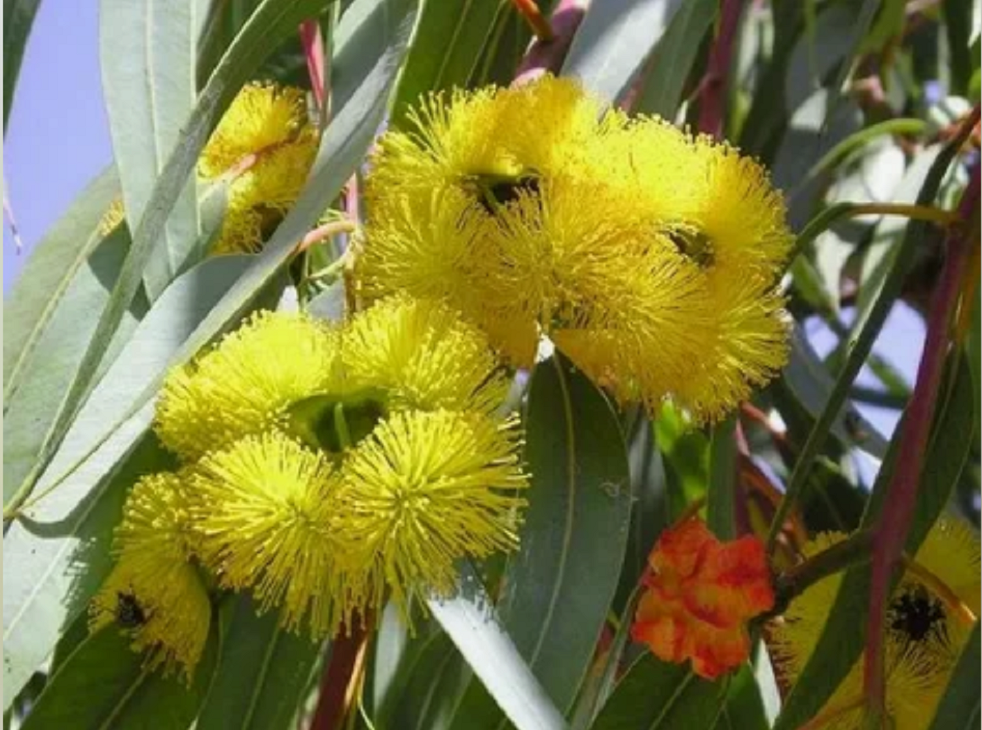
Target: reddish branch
(895, 520)
(339, 683)
(712, 90)
(313, 51)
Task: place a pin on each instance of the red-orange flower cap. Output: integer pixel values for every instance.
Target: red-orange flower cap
(699, 595)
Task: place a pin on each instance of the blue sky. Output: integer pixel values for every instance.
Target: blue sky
(58, 140)
(57, 137)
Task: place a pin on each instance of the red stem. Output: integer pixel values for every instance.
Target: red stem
(712, 90)
(332, 704)
(895, 521)
(313, 51)
(544, 56)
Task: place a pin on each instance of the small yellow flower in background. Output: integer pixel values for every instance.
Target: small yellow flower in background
(154, 592)
(424, 490)
(650, 257)
(266, 144)
(263, 510)
(421, 355)
(246, 383)
(928, 623)
(260, 118)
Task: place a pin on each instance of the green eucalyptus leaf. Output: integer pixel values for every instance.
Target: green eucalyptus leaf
(273, 20)
(470, 621)
(42, 590)
(44, 281)
(721, 497)
(613, 41)
(574, 536)
(261, 674)
(959, 706)
(148, 98)
(654, 695)
(445, 51)
(48, 373)
(670, 63)
(103, 684)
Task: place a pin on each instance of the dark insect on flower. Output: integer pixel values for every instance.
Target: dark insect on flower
(129, 613)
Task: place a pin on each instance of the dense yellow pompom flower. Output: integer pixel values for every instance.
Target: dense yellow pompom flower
(265, 144)
(155, 593)
(246, 383)
(426, 489)
(261, 117)
(649, 256)
(421, 355)
(263, 511)
(929, 619)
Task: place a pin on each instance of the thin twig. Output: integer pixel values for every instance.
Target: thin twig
(712, 99)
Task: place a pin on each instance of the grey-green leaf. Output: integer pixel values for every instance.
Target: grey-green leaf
(148, 99)
(613, 41)
(103, 685)
(959, 706)
(42, 592)
(47, 274)
(445, 51)
(559, 587)
(261, 674)
(670, 62)
(470, 621)
(51, 367)
(654, 695)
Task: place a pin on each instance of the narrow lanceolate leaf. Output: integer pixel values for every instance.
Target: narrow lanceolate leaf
(18, 17)
(262, 672)
(654, 695)
(272, 21)
(53, 560)
(472, 625)
(47, 274)
(148, 99)
(371, 40)
(670, 62)
(445, 51)
(103, 684)
(721, 496)
(559, 587)
(843, 636)
(959, 707)
(49, 370)
(613, 41)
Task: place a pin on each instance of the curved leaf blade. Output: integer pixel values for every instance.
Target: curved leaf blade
(472, 625)
(148, 98)
(261, 673)
(654, 695)
(102, 684)
(960, 704)
(613, 41)
(42, 592)
(19, 18)
(47, 274)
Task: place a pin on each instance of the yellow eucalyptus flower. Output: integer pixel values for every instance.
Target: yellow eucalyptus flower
(927, 627)
(424, 490)
(263, 512)
(420, 354)
(114, 215)
(246, 383)
(154, 593)
(261, 117)
(649, 256)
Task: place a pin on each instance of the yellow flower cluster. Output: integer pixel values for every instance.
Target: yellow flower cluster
(649, 257)
(263, 148)
(326, 469)
(929, 620)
